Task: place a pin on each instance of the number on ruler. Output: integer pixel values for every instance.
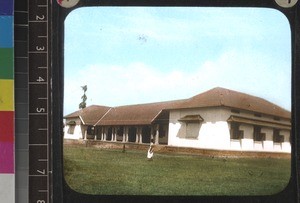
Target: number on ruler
(40, 48)
(41, 201)
(40, 110)
(43, 172)
(40, 17)
(40, 79)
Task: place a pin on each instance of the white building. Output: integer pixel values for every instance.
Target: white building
(217, 119)
(79, 125)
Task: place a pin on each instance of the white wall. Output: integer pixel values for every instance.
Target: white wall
(77, 131)
(214, 132)
(247, 142)
(268, 143)
(286, 146)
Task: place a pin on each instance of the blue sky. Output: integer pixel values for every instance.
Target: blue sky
(135, 55)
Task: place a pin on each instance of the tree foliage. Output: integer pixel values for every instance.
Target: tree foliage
(82, 104)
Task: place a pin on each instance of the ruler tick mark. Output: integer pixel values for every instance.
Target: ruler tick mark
(16, 11)
(42, 160)
(37, 52)
(37, 21)
(37, 144)
(38, 83)
(37, 175)
(42, 129)
(21, 25)
(34, 114)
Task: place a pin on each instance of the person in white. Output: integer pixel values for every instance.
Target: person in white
(150, 150)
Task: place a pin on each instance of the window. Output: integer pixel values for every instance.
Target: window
(257, 135)
(162, 132)
(71, 129)
(235, 133)
(277, 137)
(192, 130)
(192, 125)
(90, 130)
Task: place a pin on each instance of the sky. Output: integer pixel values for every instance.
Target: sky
(132, 55)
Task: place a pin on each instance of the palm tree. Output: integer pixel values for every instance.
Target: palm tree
(82, 104)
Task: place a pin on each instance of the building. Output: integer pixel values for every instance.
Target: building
(217, 119)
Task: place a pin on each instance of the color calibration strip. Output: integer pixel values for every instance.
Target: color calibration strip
(7, 166)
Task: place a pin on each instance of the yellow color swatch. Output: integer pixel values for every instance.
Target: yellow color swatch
(7, 95)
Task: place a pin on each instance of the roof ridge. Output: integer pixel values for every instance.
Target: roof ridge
(103, 116)
(217, 96)
(151, 103)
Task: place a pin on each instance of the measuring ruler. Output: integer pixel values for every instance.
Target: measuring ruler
(39, 101)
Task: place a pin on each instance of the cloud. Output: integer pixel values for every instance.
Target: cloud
(139, 55)
(168, 24)
(137, 82)
(250, 72)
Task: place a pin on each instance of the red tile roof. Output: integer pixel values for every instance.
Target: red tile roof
(233, 99)
(90, 115)
(139, 114)
(145, 114)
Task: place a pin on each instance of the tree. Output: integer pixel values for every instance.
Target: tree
(82, 104)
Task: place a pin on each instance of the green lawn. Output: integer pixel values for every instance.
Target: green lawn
(108, 171)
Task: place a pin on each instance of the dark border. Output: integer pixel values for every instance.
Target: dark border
(63, 193)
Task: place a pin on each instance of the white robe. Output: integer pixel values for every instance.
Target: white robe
(149, 154)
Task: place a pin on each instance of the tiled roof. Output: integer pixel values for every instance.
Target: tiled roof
(90, 115)
(229, 98)
(145, 114)
(139, 114)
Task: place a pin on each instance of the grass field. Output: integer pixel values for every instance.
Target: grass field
(108, 171)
